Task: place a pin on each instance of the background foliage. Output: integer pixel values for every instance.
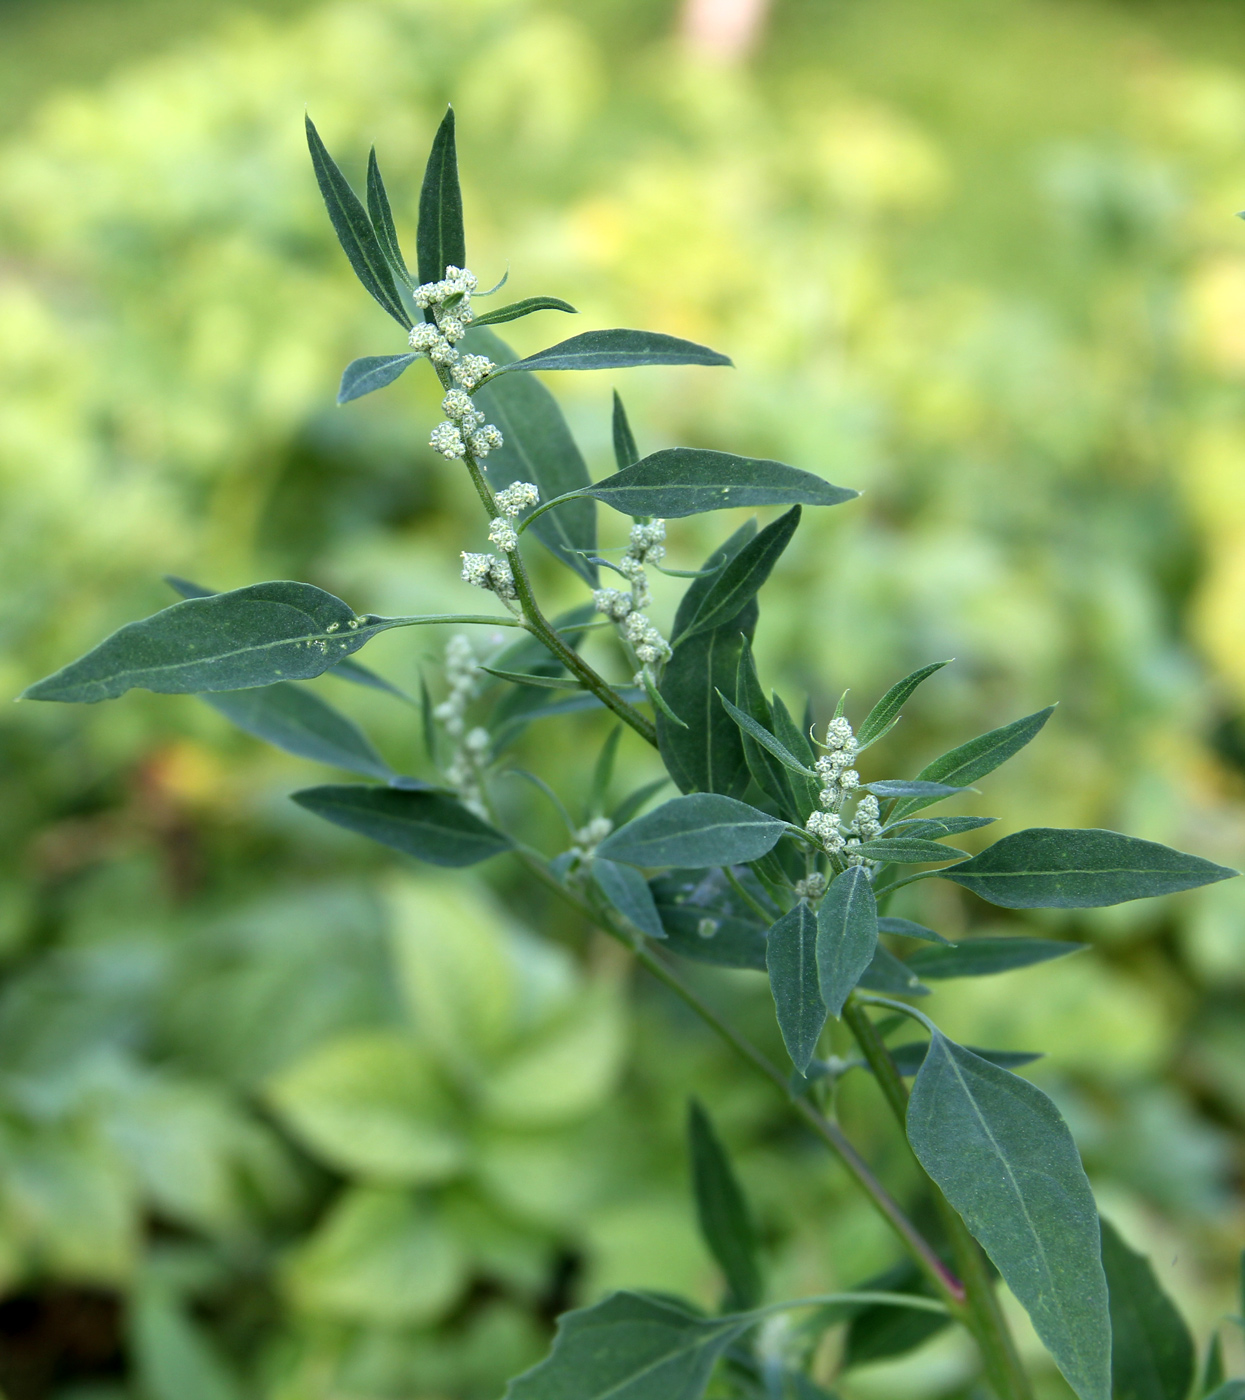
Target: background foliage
(976, 259)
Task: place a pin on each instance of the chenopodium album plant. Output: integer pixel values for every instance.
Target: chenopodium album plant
(777, 856)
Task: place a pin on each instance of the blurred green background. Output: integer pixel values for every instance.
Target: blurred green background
(281, 1117)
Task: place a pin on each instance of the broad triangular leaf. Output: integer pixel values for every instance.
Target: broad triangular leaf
(370, 373)
(1152, 1354)
(701, 829)
(616, 349)
(723, 1213)
(427, 824)
(791, 960)
(439, 239)
(1004, 1158)
(847, 935)
(738, 582)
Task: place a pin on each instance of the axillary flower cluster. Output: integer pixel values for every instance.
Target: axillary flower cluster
(490, 570)
(839, 780)
(464, 429)
(626, 606)
(465, 769)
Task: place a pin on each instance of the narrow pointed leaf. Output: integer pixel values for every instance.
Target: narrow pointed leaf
(1049, 868)
(905, 928)
(1152, 1353)
(906, 850)
(515, 309)
(616, 349)
(878, 1332)
(370, 373)
(910, 1057)
(886, 711)
(1212, 1370)
(982, 957)
(701, 829)
(918, 790)
(381, 216)
(629, 1347)
(963, 766)
(626, 453)
(538, 447)
(804, 789)
(722, 1212)
(688, 480)
(887, 973)
(627, 890)
(847, 935)
(1004, 1158)
(531, 678)
(735, 585)
(427, 824)
(354, 229)
(761, 736)
(251, 636)
(439, 240)
(931, 828)
(633, 801)
(295, 719)
(752, 708)
(791, 959)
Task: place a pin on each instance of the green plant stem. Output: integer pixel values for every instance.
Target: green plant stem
(755, 905)
(982, 1314)
(541, 627)
(921, 1250)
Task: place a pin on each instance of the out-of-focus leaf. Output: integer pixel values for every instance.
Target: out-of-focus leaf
(1212, 1370)
(722, 940)
(1049, 868)
(627, 890)
(884, 714)
(887, 973)
(521, 308)
(616, 349)
(877, 1332)
(428, 825)
(738, 582)
(439, 239)
(702, 828)
(847, 935)
(907, 929)
(372, 372)
(682, 481)
(721, 1209)
(791, 959)
(910, 1056)
(1004, 1158)
(175, 1359)
(626, 453)
(982, 957)
(1152, 1353)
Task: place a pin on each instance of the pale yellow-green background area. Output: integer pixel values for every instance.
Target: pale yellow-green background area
(281, 1116)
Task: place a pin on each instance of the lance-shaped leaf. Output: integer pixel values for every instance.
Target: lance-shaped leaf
(629, 1347)
(752, 708)
(847, 935)
(426, 824)
(372, 372)
(708, 755)
(703, 828)
(515, 309)
(1152, 1354)
(931, 828)
(1004, 1158)
(887, 973)
(354, 229)
(918, 790)
(381, 216)
(963, 766)
(439, 240)
(791, 959)
(627, 890)
(879, 1331)
(759, 735)
(688, 480)
(1049, 868)
(734, 586)
(257, 635)
(722, 1211)
(295, 719)
(906, 850)
(910, 1057)
(1212, 1377)
(538, 447)
(626, 453)
(717, 939)
(905, 928)
(885, 713)
(616, 349)
(804, 789)
(982, 957)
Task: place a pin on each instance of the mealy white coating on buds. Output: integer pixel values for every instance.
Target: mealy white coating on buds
(839, 734)
(649, 645)
(465, 771)
(457, 406)
(446, 439)
(502, 533)
(516, 498)
(484, 439)
(613, 602)
(648, 542)
(825, 826)
(590, 836)
(866, 824)
(812, 887)
(460, 673)
(469, 370)
(488, 571)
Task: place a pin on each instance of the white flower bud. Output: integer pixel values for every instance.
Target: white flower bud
(447, 440)
(487, 438)
(517, 497)
(502, 533)
(471, 369)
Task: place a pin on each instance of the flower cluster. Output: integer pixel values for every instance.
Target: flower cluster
(647, 546)
(465, 773)
(464, 429)
(471, 751)
(487, 570)
(589, 837)
(838, 781)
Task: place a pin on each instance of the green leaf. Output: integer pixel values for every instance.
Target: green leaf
(381, 216)
(1212, 1371)
(252, 636)
(704, 828)
(370, 373)
(1152, 1355)
(910, 1057)
(295, 719)
(906, 850)
(628, 1347)
(982, 957)
(887, 973)
(847, 935)
(627, 890)
(706, 936)
(733, 587)
(919, 790)
(905, 928)
(439, 239)
(1004, 1158)
(522, 308)
(752, 709)
(791, 959)
(708, 756)
(931, 828)
(428, 825)
(603, 770)
(1049, 868)
(616, 349)
(879, 1331)
(174, 1357)
(963, 766)
(688, 480)
(533, 678)
(633, 801)
(1233, 1390)
(538, 448)
(626, 453)
(354, 229)
(805, 790)
(761, 736)
(886, 711)
(722, 1212)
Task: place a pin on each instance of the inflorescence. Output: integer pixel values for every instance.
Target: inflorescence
(625, 607)
(464, 429)
(465, 770)
(490, 571)
(839, 779)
